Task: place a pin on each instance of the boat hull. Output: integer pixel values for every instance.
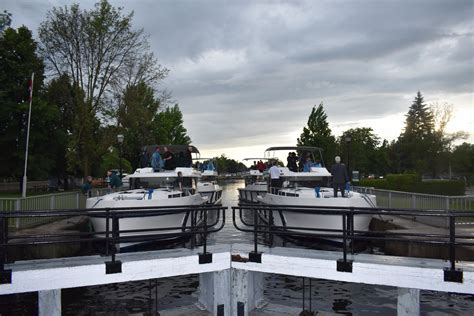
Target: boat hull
(316, 221)
(174, 222)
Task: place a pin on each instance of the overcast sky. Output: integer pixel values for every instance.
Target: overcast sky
(247, 73)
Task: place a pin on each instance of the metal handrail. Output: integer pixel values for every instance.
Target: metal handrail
(347, 234)
(113, 235)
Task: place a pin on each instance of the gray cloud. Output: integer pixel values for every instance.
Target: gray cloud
(245, 73)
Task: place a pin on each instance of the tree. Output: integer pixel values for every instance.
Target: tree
(362, 151)
(442, 114)
(227, 165)
(18, 60)
(417, 143)
(98, 50)
(5, 20)
(102, 55)
(463, 160)
(168, 127)
(318, 133)
(136, 114)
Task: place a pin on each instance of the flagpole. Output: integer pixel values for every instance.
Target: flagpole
(23, 193)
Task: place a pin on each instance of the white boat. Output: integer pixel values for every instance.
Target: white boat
(151, 189)
(255, 184)
(207, 184)
(299, 189)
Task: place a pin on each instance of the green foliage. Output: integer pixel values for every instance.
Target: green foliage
(419, 144)
(111, 161)
(5, 20)
(318, 133)
(17, 62)
(168, 127)
(442, 187)
(136, 117)
(463, 161)
(99, 50)
(226, 165)
(363, 151)
(413, 183)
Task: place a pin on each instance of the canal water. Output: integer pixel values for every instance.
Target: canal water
(330, 296)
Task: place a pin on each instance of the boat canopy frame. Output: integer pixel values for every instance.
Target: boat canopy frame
(309, 149)
(150, 149)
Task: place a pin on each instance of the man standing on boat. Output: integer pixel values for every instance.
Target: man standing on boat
(275, 182)
(114, 181)
(168, 157)
(339, 176)
(188, 158)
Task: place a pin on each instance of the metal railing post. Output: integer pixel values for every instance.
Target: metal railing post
(270, 227)
(205, 257)
(5, 275)
(255, 256)
(452, 274)
(114, 266)
(107, 228)
(17, 208)
(52, 202)
(344, 265)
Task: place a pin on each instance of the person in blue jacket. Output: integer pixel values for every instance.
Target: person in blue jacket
(157, 162)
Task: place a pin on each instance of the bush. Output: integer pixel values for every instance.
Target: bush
(413, 183)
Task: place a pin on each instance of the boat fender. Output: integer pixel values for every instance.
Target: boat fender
(150, 193)
(316, 192)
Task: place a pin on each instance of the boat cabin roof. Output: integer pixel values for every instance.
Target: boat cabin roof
(247, 159)
(304, 148)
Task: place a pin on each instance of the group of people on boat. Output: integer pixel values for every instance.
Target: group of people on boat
(259, 165)
(340, 177)
(303, 163)
(168, 161)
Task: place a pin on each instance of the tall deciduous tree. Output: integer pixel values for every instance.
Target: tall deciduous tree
(463, 161)
(5, 20)
(318, 133)
(363, 151)
(98, 49)
(135, 118)
(102, 55)
(169, 128)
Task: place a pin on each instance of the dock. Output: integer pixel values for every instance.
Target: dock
(229, 286)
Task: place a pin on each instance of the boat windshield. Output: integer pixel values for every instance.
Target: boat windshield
(162, 182)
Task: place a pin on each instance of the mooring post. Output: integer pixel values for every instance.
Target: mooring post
(408, 303)
(49, 303)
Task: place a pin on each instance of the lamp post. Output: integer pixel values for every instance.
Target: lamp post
(348, 140)
(120, 138)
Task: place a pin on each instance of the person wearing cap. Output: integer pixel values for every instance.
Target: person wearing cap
(339, 176)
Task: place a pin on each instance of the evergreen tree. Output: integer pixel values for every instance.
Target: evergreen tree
(318, 134)
(417, 143)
